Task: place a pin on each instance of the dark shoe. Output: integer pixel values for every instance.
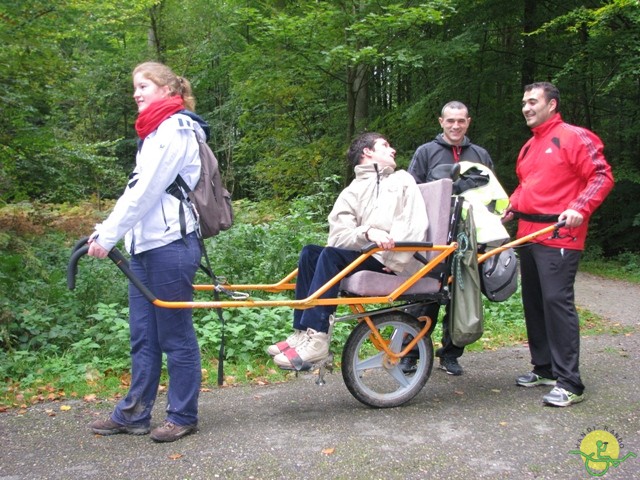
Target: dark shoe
(533, 380)
(170, 432)
(559, 397)
(451, 366)
(109, 427)
(408, 365)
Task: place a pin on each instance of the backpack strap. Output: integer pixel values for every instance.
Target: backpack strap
(180, 190)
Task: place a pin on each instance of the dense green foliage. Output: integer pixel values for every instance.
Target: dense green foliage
(286, 84)
(60, 339)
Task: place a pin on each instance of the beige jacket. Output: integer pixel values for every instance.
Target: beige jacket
(387, 200)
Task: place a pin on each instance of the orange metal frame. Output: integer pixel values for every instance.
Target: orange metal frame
(356, 304)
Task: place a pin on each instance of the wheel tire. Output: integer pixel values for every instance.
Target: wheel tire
(366, 373)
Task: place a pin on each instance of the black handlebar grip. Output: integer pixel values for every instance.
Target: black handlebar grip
(81, 248)
(72, 269)
(79, 244)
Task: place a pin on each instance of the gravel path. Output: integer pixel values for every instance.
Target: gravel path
(615, 300)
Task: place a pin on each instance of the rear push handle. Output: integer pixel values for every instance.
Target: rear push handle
(81, 248)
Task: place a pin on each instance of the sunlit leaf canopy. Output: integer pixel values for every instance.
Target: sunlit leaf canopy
(286, 84)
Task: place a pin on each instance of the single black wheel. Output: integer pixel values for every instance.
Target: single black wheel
(369, 373)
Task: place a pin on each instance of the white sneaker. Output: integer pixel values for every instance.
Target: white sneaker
(292, 341)
(314, 348)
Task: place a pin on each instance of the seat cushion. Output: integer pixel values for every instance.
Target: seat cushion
(374, 284)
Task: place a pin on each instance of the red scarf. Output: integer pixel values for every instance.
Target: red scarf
(156, 113)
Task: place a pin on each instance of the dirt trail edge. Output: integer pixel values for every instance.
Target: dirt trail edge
(479, 425)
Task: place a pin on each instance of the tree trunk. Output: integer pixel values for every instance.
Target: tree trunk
(153, 36)
(357, 106)
(357, 100)
(528, 73)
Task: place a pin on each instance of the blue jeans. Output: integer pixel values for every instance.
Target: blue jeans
(168, 272)
(316, 266)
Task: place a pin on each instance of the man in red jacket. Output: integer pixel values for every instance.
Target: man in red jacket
(563, 176)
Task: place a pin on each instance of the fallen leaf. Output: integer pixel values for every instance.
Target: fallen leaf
(504, 424)
(328, 451)
(90, 397)
(496, 390)
(175, 456)
(458, 392)
(65, 408)
(125, 379)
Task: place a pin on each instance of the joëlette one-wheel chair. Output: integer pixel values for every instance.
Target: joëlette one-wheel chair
(381, 305)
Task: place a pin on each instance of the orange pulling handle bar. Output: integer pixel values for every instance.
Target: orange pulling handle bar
(520, 241)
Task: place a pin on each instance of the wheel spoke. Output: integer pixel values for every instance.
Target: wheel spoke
(399, 376)
(397, 338)
(371, 362)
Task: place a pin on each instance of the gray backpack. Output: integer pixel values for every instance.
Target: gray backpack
(209, 201)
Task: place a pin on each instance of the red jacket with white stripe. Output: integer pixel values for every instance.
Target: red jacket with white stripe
(561, 167)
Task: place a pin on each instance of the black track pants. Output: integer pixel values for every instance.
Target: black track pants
(548, 276)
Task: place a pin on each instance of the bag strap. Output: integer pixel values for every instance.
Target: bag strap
(217, 288)
(216, 296)
(180, 190)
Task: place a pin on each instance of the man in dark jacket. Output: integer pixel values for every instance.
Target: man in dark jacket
(449, 147)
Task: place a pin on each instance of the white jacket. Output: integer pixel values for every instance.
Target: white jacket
(387, 200)
(145, 215)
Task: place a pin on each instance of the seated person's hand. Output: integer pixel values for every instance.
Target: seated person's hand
(381, 238)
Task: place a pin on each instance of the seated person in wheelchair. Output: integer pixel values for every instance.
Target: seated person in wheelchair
(380, 205)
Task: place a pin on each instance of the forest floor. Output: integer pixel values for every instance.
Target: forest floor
(478, 425)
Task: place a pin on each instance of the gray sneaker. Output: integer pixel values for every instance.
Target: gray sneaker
(559, 397)
(533, 380)
(109, 427)
(170, 432)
